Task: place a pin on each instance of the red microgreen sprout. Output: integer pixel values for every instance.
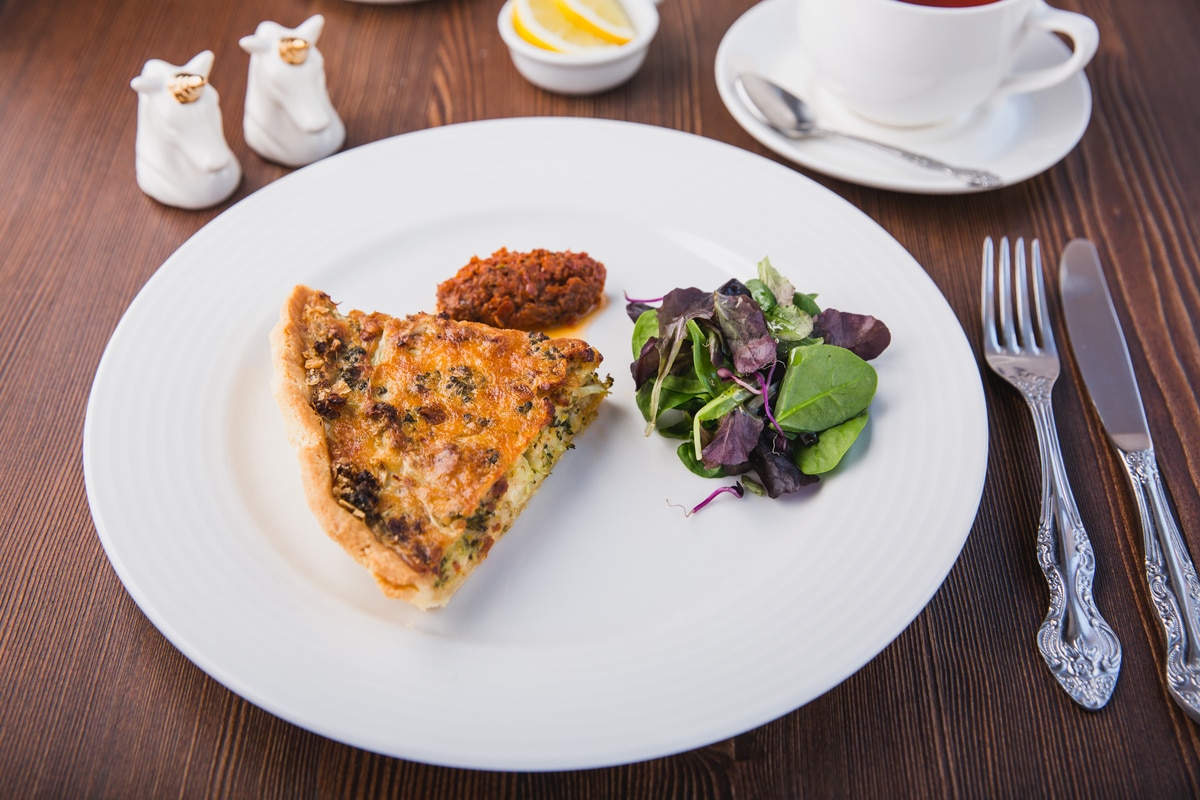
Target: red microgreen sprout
(726, 374)
(629, 299)
(736, 490)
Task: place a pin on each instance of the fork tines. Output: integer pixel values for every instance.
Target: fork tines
(1033, 326)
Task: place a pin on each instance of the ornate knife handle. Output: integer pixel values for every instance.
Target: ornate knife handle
(1174, 589)
(1079, 646)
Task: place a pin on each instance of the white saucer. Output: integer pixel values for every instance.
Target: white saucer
(1016, 137)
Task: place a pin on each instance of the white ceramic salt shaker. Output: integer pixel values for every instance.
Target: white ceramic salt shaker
(289, 117)
(182, 158)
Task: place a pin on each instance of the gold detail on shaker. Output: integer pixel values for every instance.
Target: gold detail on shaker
(186, 86)
(293, 49)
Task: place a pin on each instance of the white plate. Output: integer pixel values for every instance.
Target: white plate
(606, 627)
(1015, 137)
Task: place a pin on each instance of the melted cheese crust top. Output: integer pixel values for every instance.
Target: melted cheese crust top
(430, 424)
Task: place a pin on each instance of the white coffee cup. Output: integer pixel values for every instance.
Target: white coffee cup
(905, 64)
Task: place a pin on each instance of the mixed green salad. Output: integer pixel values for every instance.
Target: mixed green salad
(757, 380)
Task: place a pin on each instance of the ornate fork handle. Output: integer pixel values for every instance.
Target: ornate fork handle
(1079, 646)
(1174, 588)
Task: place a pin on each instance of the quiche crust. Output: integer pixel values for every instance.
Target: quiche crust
(420, 438)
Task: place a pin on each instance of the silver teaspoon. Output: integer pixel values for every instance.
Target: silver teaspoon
(792, 117)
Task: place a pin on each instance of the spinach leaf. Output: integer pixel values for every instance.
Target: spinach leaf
(761, 294)
(675, 392)
(687, 454)
(780, 287)
(702, 348)
(680, 428)
(824, 385)
(806, 303)
(789, 323)
(645, 329)
(786, 321)
(830, 446)
(635, 308)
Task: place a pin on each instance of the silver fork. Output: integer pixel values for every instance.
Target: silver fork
(1080, 648)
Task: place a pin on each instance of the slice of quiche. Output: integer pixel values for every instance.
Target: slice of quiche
(421, 438)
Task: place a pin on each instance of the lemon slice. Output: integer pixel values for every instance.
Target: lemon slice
(605, 18)
(543, 24)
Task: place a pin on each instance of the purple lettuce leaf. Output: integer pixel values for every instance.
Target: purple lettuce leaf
(745, 330)
(772, 461)
(734, 286)
(737, 434)
(678, 306)
(646, 366)
(635, 308)
(861, 334)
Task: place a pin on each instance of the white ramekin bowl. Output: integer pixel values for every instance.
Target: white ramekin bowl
(582, 73)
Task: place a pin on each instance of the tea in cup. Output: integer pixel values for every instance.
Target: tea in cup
(921, 62)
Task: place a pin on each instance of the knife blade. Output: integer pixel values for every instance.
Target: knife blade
(1100, 350)
(1098, 343)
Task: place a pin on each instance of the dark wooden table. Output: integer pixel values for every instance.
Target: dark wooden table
(94, 702)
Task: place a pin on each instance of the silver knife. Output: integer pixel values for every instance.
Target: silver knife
(1103, 357)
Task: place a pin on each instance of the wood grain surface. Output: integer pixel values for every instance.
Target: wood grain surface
(94, 702)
